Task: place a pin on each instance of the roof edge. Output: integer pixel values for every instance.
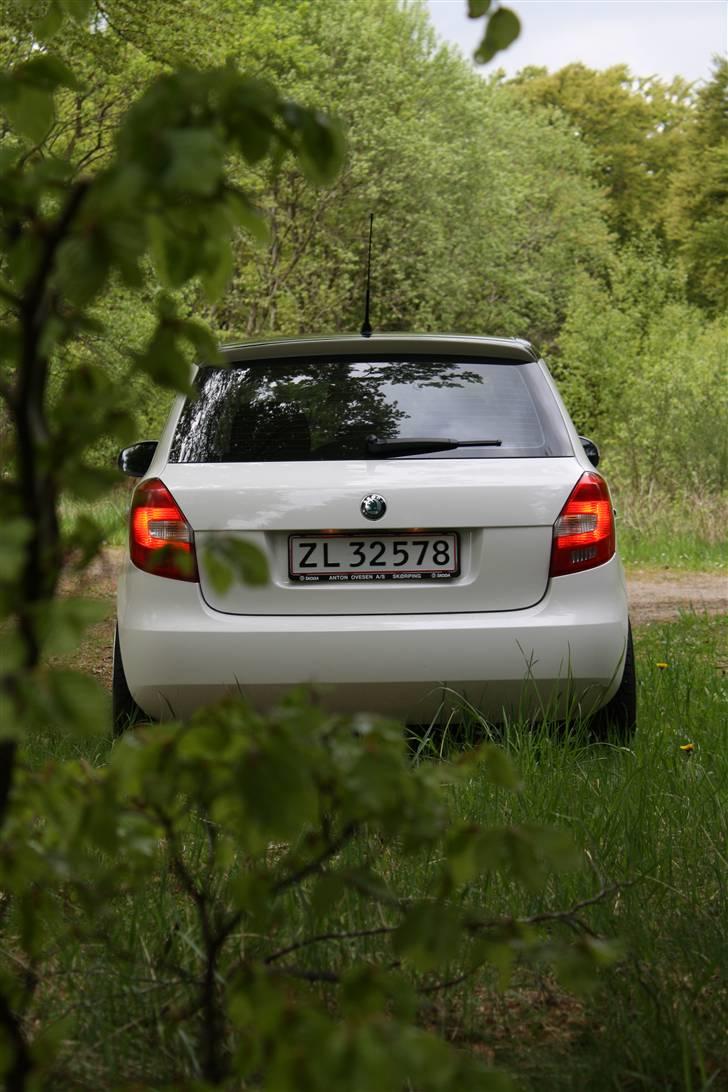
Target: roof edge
(344, 344)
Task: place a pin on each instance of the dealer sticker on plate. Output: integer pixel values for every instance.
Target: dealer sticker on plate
(350, 557)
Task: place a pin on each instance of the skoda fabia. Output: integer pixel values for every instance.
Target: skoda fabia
(436, 533)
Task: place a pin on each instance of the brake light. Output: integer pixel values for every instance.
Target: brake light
(584, 533)
(161, 540)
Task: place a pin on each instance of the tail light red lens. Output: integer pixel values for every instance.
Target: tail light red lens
(584, 532)
(161, 540)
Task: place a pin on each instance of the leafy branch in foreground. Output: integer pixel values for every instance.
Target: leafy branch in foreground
(295, 954)
(165, 194)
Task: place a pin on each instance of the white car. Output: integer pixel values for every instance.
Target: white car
(435, 530)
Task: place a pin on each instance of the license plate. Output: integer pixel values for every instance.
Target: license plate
(349, 558)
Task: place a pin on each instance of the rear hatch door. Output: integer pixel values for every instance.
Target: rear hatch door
(500, 513)
(279, 452)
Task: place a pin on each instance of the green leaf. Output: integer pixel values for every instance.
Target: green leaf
(577, 965)
(318, 141)
(465, 859)
(499, 767)
(79, 10)
(87, 536)
(10, 727)
(429, 935)
(248, 217)
(78, 702)
(368, 883)
(62, 623)
(10, 341)
(197, 161)
(15, 534)
(278, 790)
(227, 557)
(45, 72)
(254, 131)
(219, 273)
(533, 852)
(164, 361)
(203, 341)
(83, 267)
(327, 892)
(89, 482)
(12, 652)
(476, 8)
(49, 24)
(31, 113)
(175, 250)
(368, 990)
(501, 955)
(503, 28)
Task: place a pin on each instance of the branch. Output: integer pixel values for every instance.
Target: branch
(307, 976)
(314, 866)
(322, 937)
(567, 917)
(35, 292)
(21, 1065)
(213, 1065)
(448, 983)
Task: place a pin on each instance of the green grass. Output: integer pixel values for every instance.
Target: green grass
(657, 817)
(667, 550)
(685, 532)
(651, 817)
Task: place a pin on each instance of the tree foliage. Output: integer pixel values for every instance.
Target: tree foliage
(635, 126)
(637, 343)
(426, 137)
(696, 211)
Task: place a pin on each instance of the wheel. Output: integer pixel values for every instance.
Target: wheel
(125, 711)
(617, 720)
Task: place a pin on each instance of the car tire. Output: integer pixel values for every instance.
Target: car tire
(616, 722)
(124, 710)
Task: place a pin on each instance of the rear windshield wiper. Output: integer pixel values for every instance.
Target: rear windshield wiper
(413, 445)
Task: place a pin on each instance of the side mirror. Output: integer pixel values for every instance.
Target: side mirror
(591, 449)
(136, 460)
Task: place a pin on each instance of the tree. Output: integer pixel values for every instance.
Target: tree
(636, 126)
(645, 375)
(426, 137)
(696, 208)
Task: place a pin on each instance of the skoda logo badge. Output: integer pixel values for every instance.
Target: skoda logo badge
(373, 506)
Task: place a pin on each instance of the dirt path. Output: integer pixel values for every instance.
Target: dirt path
(654, 595)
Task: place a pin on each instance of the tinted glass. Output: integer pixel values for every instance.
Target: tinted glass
(309, 409)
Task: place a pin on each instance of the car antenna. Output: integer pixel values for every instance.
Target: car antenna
(366, 326)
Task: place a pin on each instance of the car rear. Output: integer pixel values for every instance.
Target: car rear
(403, 579)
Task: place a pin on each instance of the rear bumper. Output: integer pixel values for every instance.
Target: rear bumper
(179, 654)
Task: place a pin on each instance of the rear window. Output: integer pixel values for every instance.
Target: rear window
(304, 409)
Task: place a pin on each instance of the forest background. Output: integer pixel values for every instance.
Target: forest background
(582, 209)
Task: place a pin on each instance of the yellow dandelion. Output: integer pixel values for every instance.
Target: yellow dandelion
(687, 746)
(662, 666)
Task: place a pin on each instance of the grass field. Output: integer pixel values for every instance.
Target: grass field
(652, 818)
(687, 532)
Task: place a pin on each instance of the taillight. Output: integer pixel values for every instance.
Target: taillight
(584, 532)
(161, 540)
